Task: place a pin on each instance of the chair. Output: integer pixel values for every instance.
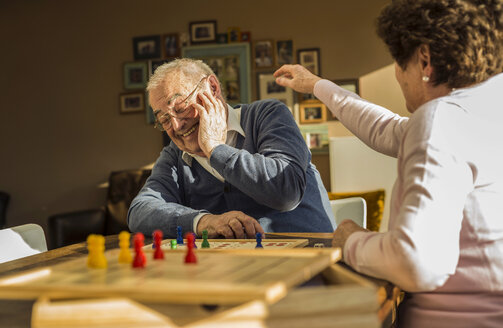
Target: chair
(4, 201)
(355, 167)
(74, 227)
(21, 241)
(353, 208)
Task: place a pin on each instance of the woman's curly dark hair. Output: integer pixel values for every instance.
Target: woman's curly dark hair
(464, 37)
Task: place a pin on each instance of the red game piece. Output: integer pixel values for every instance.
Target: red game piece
(191, 255)
(158, 254)
(139, 259)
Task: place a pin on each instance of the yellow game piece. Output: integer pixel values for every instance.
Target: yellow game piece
(125, 253)
(96, 247)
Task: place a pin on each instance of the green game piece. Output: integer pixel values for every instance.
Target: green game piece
(173, 244)
(205, 243)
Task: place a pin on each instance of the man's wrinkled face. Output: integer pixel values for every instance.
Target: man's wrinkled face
(173, 104)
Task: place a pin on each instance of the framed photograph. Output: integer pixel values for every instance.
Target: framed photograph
(267, 88)
(284, 52)
(135, 75)
(310, 59)
(133, 102)
(263, 53)
(171, 45)
(312, 112)
(313, 140)
(147, 47)
(222, 38)
(246, 36)
(203, 32)
(233, 34)
(231, 63)
(153, 64)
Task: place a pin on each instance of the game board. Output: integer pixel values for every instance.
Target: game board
(229, 244)
(217, 278)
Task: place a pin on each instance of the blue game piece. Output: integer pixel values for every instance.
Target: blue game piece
(258, 235)
(179, 237)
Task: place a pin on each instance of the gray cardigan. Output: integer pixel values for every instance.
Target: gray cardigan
(268, 176)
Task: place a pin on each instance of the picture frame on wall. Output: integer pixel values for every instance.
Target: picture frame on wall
(147, 47)
(284, 52)
(246, 36)
(233, 34)
(312, 112)
(267, 88)
(263, 53)
(171, 45)
(131, 102)
(310, 59)
(153, 64)
(135, 75)
(221, 38)
(234, 61)
(203, 32)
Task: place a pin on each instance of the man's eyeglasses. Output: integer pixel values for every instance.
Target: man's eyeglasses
(177, 109)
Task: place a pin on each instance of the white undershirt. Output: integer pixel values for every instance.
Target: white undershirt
(233, 128)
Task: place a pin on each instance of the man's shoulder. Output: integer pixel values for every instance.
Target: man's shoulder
(264, 107)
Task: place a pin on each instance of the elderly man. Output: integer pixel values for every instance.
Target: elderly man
(231, 171)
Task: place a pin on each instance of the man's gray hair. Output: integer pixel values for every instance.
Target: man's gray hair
(188, 66)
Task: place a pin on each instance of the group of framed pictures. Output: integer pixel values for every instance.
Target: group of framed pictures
(225, 54)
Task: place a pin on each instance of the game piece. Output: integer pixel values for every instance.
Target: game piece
(205, 243)
(258, 235)
(173, 244)
(96, 247)
(194, 243)
(191, 255)
(319, 245)
(157, 236)
(179, 238)
(125, 253)
(139, 259)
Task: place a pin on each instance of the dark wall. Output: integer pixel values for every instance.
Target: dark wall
(61, 131)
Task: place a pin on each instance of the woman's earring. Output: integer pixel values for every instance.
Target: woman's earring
(426, 78)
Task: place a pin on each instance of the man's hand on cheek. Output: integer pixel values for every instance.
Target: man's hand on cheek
(212, 122)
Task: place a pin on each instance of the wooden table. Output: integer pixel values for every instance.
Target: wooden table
(17, 313)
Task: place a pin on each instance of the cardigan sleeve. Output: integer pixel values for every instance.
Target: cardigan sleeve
(376, 126)
(275, 174)
(158, 205)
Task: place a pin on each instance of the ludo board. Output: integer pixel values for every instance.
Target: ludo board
(240, 243)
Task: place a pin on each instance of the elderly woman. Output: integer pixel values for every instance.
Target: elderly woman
(444, 244)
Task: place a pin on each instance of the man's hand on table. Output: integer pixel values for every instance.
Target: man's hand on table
(232, 224)
(343, 231)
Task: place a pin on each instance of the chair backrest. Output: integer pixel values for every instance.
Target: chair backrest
(74, 227)
(355, 167)
(4, 201)
(123, 186)
(21, 241)
(353, 208)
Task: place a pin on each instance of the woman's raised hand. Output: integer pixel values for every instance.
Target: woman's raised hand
(296, 77)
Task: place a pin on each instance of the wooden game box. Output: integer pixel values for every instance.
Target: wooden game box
(218, 277)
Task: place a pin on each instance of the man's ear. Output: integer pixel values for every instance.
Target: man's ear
(215, 86)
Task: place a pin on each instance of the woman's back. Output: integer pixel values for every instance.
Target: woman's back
(470, 124)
